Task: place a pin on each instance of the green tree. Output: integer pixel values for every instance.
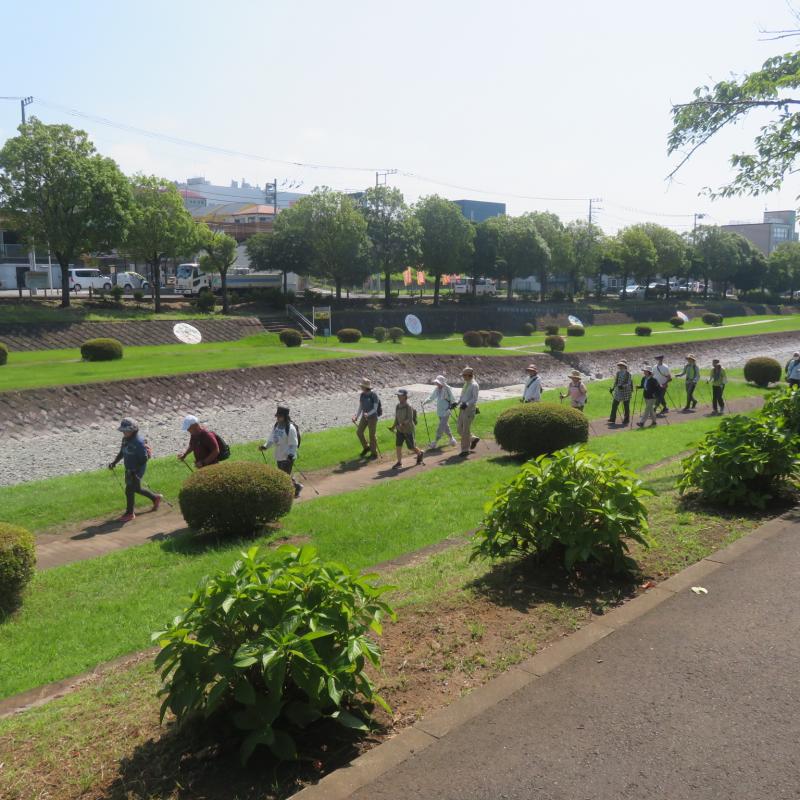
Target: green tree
(57, 190)
(160, 228)
(220, 255)
(670, 251)
(717, 255)
(446, 239)
(284, 249)
(610, 261)
(559, 243)
(637, 255)
(393, 231)
(484, 260)
(751, 266)
(777, 146)
(586, 248)
(522, 251)
(784, 268)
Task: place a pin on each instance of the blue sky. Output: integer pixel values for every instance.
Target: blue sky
(512, 97)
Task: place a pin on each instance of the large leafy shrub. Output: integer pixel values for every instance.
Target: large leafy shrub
(472, 339)
(576, 504)
(783, 410)
(528, 328)
(348, 335)
(101, 350)
(494, 338)
(235, 498)
(576, 330)
(712, 319)
(17, 563)
(395, 334)
(642, 330)
(291, 337)
(116, 293)
(743, 462)
(762, 371)
(551, 330)
(379, 333)
(272, 645)
(536, 428)
(3, 354)
(555, 344)
(205, 301)
(676, 322)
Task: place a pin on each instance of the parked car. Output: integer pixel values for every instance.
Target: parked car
(80, 279)
(634, 290)
(130, 281)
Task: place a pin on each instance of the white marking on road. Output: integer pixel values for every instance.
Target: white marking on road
(710, 327)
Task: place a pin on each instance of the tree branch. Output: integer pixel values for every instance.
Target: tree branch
(738, 103)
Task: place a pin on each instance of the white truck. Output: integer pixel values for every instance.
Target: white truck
(190, 279)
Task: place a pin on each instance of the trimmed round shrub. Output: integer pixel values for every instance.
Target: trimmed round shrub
(235, 498)
(762, 371)
(379, 334)
(485, 337)
(576, 330)
(101, 350)
(290, 337)
(535, 428)
(348, 335)
(642, 330)
(472, 339)
(528, 328)
(3, 354)
(555, 344)
(495, 338)
(116, 293)
(577, 505)
(712, 319)
(205, 301)
(676, 322)
(551, 330)
(395, 334)
(17, 563)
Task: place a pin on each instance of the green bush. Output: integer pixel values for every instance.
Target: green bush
(743, 462)
(395, 334)
(712, 319)
(379, 334)
(3, 354)
(536, 428)
(575, 504)
(528, 328)
(101, 350)
(235, 498)
(495, 338)
(205, 301)
(783, 410)
(576, 330)
(551, 330)
(676, 322)
(485, 337)
(116, 293)
(642, 330)
(291, 337)
(273, 645)
(555, 344)
(348, 335)
(138, 295)
(472, 339)
(762, 371)
(17, 564)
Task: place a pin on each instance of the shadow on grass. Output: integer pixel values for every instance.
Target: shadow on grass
(189, 542)
(785, 503)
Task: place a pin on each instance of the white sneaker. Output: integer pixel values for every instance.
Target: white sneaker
(453, 442)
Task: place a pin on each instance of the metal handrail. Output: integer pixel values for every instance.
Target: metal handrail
(308, 326)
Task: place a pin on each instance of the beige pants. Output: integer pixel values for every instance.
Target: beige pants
(465, 417)
(372, 424)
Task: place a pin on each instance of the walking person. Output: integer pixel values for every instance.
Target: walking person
(532, 393)
(366, 417)
(202, 442)
(793, 371)
(621, 392)
(404, 427)
(692, 374)
(651, 392)
(576, 391)
(467, 405)
(285, 438)
(662, 374)
(718, 379)
(134, 455)
(445, 401)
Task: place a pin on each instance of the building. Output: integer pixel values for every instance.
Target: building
(201, 191)
(480, 210)
(778, 227)
(16, 259)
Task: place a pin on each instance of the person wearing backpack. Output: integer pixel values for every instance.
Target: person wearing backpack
(792, 370)
(403, 427)
(202, 442)
(134, 454)
(366, 417)
(285, 437)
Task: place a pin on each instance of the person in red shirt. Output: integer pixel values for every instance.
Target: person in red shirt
(202, 443)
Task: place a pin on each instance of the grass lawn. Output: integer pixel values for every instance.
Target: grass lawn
(38, 368)
(89, 612)
(48, 504)
(37, 311)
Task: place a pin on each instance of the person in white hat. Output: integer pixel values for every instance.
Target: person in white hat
(445, 401)
(651, 392)
(404, 427)
(621, 392)
(576, 391)
(366, 417)
(692, 374)
(134, 453)
(532, 393)
(467, 405)
(793, 370)
(662, 374)
(202, 442)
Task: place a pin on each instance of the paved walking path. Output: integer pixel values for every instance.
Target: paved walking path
(99, 537)
(673, 696)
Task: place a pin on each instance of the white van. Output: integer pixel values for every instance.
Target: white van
(132, 280)
(80, 279)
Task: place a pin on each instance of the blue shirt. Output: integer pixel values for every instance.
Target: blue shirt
(134, 454)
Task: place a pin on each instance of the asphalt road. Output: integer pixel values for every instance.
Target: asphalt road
(697, 699)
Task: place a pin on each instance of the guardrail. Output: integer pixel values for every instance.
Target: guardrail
(302, 320)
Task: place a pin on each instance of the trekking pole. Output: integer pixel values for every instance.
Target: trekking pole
(633, 411)
(119, 480)
(305, 478)
(188, 466)
(425, 417)
(151, 489)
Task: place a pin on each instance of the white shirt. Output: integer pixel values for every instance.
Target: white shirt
(443, 395)
(469, 394)
(285, 444)
(533, 390)
(662, 374)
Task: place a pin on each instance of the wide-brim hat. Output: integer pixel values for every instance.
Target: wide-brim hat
(282, 411)
(440, 380)
(365, 384)
(467, 371)
(691, 357)
(622, 364)
(659, 358)
(531, 368)
(715, 361)
(645, 368)
(575, 374)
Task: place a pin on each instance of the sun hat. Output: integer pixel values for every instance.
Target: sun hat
(531, 368)
(365, 384)
(439, 380)
(622, 364)
(795, 355)
(402, 392)
(659, 358)
(575, 374)
(188, 421)
(715, 361)
(691, 357)
(467, 371)
(282, 411)
(645, 368)
(128, 425)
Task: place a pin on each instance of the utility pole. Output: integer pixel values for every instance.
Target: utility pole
(24, 101)
(271, 194)
(592, 201)
(383, 173)
(694, 227)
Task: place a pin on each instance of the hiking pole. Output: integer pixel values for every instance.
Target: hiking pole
(119, 480)
(633, 412)
(305, 478)
(188, 466)
(425, 417)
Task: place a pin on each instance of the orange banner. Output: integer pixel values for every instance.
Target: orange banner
(407, 280)
(445, 280)
(420, 278)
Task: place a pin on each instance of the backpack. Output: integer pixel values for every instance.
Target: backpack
(299, 437)
(380, 406)
(148, 449)
(224, 449)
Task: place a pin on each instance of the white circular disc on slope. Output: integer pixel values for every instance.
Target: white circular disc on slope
(681, 315)
(413, 325)
(574, 321)
(186, 333)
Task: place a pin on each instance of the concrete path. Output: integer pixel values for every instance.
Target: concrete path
(99, 537)
(673, 696)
